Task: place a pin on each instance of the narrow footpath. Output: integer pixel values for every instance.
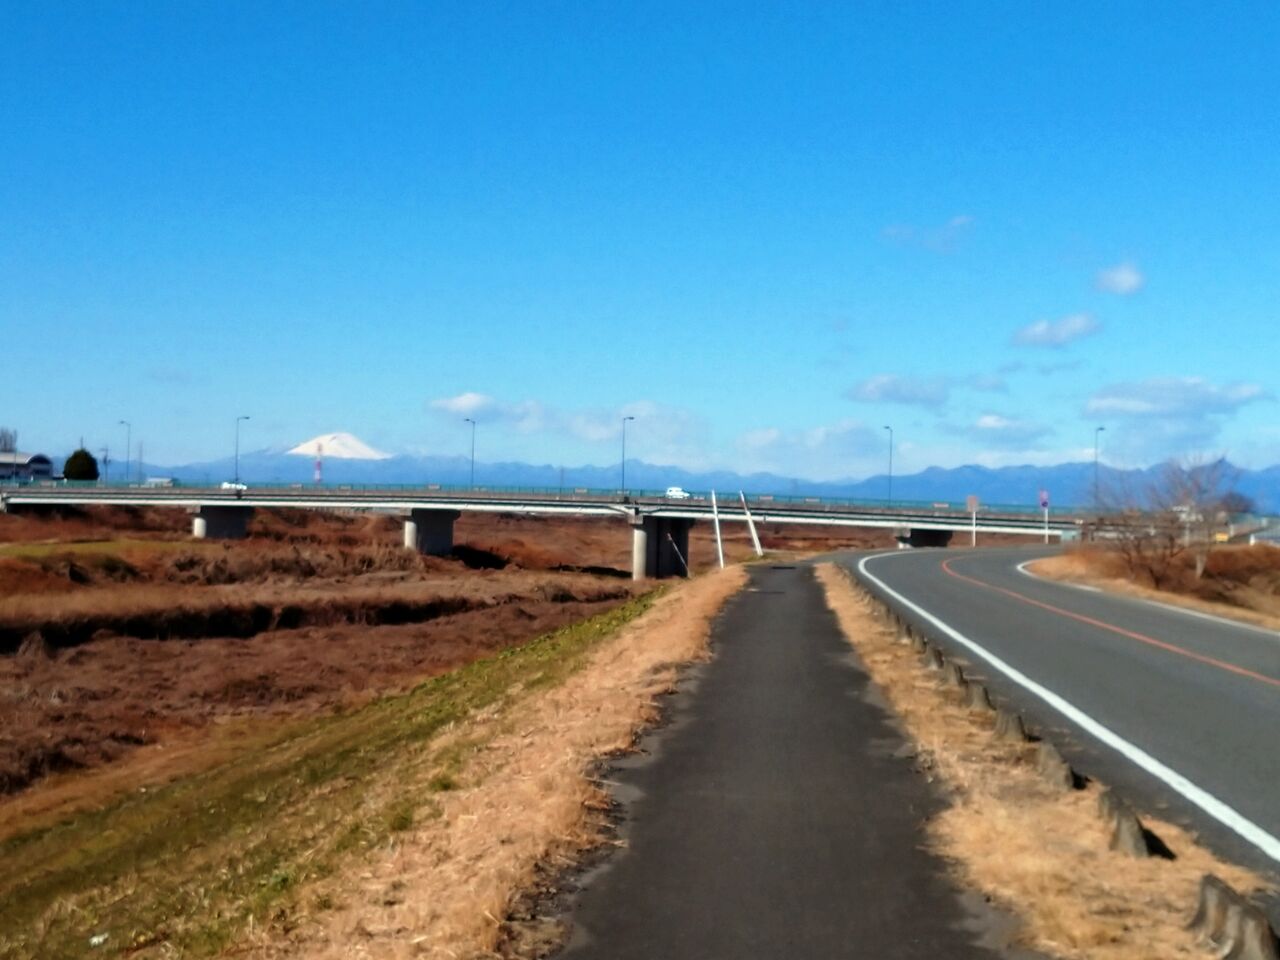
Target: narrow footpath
(770, 818)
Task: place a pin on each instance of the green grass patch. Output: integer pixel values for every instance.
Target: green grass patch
(189, 863)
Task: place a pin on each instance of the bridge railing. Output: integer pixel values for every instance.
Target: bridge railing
(761, 501)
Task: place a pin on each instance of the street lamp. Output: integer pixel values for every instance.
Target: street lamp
(473, 450)
(128, 446)
(238, 419)
(1096, 432)
(624, 454)
(890, 429)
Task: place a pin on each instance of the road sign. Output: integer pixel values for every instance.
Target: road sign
(1044, 499)
(971, 503)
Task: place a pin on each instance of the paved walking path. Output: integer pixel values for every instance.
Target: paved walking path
(770, 818)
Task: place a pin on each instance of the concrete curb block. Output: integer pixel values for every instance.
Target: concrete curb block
(953, 676)
(1231, 925)
(1051, 765)
(977, 698)
(1128, 836)
(1009, 726)
(1210, 922)
(1107, 803)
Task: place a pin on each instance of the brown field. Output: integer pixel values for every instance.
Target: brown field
(118, 632)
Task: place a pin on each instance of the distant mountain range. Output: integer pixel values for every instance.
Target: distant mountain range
(1068, 484)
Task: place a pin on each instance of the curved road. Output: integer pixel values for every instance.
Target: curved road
(1178, 711)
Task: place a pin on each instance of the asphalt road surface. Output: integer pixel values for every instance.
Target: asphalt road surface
(1182, 713)
(770, 817)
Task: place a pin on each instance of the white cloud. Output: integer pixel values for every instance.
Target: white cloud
(1124, 279)
(464, 404)
(1172, 396)
(1050, 333)
(843, 449)
(661, 434)
(940, 239)
(1005, 431)
(891, 388)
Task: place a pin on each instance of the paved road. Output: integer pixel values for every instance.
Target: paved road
(1198, 697)
(770, 819)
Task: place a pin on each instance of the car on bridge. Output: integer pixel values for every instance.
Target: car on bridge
(677, 493)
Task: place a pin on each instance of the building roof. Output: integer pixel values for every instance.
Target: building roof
(17, 458)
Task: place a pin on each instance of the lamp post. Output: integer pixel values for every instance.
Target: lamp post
(238, 419)
(1096, 432)
(624, 454)
(128, 446)
(890, 429)
(473, 450)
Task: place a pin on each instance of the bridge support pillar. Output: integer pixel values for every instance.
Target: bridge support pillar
(218, 522)
(659, 547)
(430, 531)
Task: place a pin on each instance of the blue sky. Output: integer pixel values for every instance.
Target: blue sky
(764, 230)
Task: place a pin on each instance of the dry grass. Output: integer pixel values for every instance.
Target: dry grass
(1041, 853)
(1241, 583)
(519, 795)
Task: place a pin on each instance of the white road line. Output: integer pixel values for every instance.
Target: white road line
(1225, 815)
(1171, 607)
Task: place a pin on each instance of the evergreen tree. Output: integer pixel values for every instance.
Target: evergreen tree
(81, 465)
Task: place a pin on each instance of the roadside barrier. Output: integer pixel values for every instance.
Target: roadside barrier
(1009, 726)
(1232, 926)
(978, 699)
(1053, 767)
(953, 676)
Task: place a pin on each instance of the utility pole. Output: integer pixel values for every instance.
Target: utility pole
(890, 429)
(624, 454)
(473, 450)
(238, 419)
(128, 447)
(1096, 432)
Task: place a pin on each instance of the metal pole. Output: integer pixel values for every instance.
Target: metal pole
(624, 454)
(1046, 524)
(973, 531)
(890, 429)
(128, 446)
(751, 525)
(715, 516)
(473, 450)
(1096, 431)
(238, 419)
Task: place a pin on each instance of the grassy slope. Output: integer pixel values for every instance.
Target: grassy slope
(191, 863)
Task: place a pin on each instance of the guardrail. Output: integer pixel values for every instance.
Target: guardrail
(761, 500)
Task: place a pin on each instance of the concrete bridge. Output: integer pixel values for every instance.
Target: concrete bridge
(660, 526)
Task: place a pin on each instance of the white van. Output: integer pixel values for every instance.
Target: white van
(677, 493)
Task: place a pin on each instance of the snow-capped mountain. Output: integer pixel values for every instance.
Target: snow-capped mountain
(338, 446)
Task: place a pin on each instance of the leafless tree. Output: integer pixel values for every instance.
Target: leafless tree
(1181, 509)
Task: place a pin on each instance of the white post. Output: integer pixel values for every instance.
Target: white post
(1046, 524)
(751, 525)
(973, 531)
(715, 516)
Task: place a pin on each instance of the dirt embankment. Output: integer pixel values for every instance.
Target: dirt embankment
(1239, 581)
(116, 633)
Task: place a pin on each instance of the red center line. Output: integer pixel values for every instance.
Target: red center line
(1140, 637)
